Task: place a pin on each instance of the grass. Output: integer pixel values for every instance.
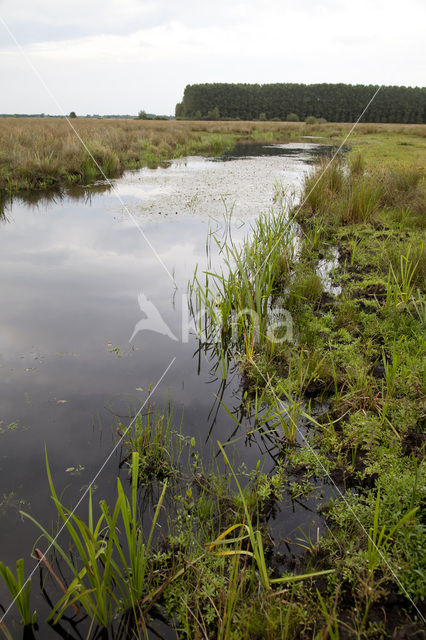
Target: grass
(158, 445)
(41, 154)
(402, 278)
(110, 565)
(255, 538)
(19, 590)
(233, 306)
(390, 145)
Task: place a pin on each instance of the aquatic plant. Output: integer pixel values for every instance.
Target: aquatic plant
(159, 445)
(111, 570)
(232, 307)
(20, 590)
(255, 538)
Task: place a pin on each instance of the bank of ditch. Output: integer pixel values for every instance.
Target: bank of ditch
(357, 351)
(363, 352)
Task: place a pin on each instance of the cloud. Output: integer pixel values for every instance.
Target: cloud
(45, 20)
(120, 56)
(144, 45)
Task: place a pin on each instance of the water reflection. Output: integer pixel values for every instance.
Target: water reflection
(72, 266)
(52, 197)
(301, 151)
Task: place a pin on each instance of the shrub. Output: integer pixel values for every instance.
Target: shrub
(292, 117)
(311, 120)
(213, 114)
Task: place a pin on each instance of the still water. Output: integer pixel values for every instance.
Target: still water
(71, 270)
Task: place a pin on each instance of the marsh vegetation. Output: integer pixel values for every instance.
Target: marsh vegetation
(338, 403)
(41, 154)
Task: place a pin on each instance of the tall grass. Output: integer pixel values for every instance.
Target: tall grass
(158, 444)
(362, 200)
(336, 195)
(402, 279)
(39, 153)
(232, 306)
(110, 560)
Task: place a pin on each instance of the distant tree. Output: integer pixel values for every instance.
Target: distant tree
(72, 114)
(333, 102)
(311, 120)
(262, 116)
(142, 115)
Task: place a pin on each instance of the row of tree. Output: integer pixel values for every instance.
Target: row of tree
(334, 102)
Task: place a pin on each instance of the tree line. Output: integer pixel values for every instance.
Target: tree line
(333, 102)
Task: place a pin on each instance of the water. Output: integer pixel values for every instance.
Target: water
(71, 270)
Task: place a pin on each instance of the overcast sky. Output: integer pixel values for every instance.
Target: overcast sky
(120, 56)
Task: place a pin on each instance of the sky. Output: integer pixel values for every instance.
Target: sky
(121, 56)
